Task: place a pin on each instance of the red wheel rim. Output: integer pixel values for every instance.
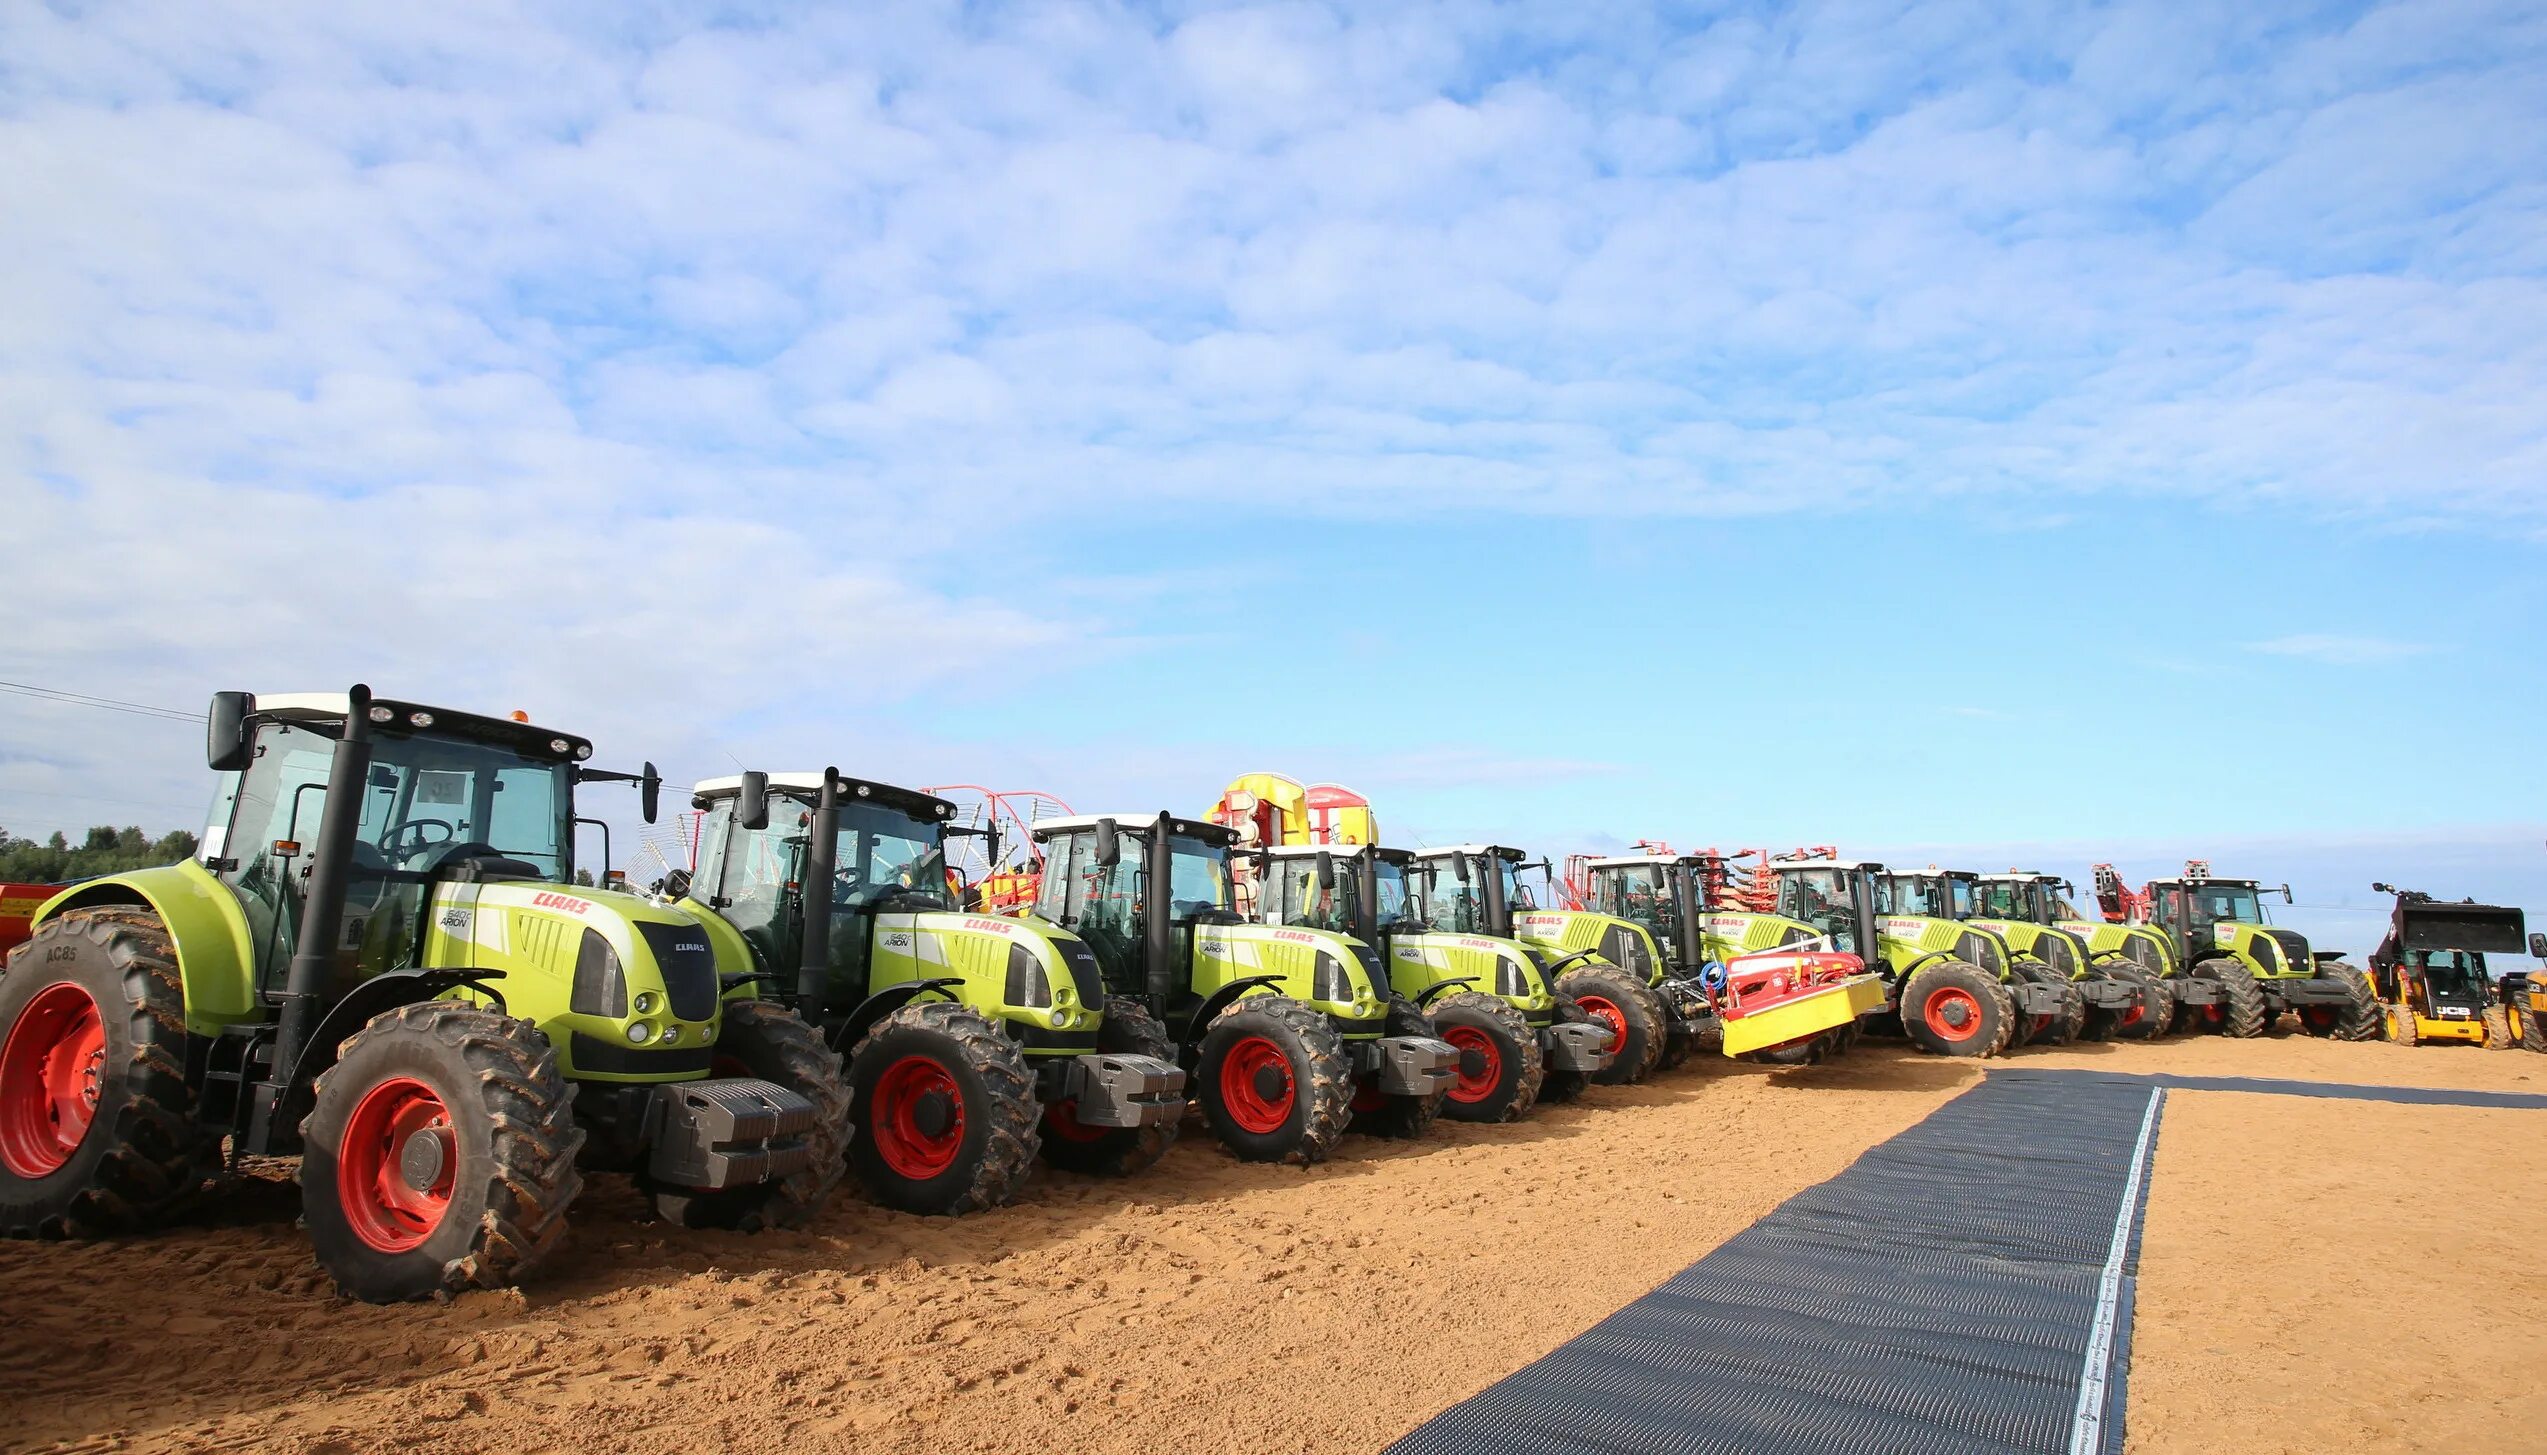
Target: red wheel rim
(914, 1094)
(1248, 1104)
(1470, 1041)
(2041, 1024)
(1061, 1119)
(1609, 1015)
(395, 1168)
(2318, 1017)
(1952, 1013)
(2139, 1010)
(51, 1070)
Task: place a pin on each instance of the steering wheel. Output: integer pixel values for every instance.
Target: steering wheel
(409, 839)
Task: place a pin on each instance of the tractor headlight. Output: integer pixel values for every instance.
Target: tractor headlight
(1330, 982)
(647, 1000)
(672, 1035)
(1511, 981)
(1028, 985)
(639, 1033)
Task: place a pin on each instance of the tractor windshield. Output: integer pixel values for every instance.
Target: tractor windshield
(2451, 969)
(1637, 892)
(1516, 895)
(1292, 883)
(1919, 894)
(1450, 904)
(1822, 898)
(1198, 878)
(2216, 903)
(1395, 909)
(1960, 897)
(1098, 902)
(2013, 899)
(885, 853)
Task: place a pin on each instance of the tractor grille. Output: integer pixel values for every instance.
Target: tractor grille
(689, 967)
(2294, 947)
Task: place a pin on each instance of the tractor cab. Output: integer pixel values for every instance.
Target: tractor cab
(1666, 894)
(1837, 899)
(1471, 889)
(2205, 917)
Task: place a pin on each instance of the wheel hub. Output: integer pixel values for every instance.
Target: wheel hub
(425, 1158)
(1271, 1083)
(1956, 1014)
(1472, 1063)
(933, 1113)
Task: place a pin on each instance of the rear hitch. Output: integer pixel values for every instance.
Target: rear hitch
(731, 1132)
(1110, 1090)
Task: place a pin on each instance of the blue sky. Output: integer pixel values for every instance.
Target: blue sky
(1946, 430)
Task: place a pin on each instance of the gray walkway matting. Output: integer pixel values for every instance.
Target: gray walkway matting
(1964, 1287)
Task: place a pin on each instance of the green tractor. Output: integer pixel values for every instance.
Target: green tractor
(974, 1042)
(2038, 955)
(1603, 964)
(1290, 1036)
(2029, 907)
(1518, 1040)
(1783, 1005)
(2243, 972)
(422, 1006)
(1953, 987)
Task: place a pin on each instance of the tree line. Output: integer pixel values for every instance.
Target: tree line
(106, 850)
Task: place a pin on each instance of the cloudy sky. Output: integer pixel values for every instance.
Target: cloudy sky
(1940, 429)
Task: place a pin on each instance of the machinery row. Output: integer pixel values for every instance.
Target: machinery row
(382, 964)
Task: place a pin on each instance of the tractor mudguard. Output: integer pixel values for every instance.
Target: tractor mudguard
(884, 1003)
(215, 961)
(1558, 967)
(383, 992)
(1219, 1001)
(1440, 988)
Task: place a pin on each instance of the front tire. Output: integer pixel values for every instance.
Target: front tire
(2401, 1025)
(2357, 1019)
(1501, 1067)
(1956, 1009)
(1127, 1030)
(2498, 1028)
(97, 1123)
(2533, 1034)
(1274, 1081)
(763, 1039)
(1632, 1011)
(945, 1111)
(2240, 1010)
(439, 1154)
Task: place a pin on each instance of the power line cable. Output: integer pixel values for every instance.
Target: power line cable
(108, 704)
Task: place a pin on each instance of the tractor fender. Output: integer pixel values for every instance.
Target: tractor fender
(1220, 1000)
(1440, 988)
(884, 1003)
(1558, 967)
(383, 992)
(1922, 963)
(216, 962)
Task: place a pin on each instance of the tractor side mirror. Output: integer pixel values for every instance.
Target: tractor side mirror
(2538, 946)
(1459, 867)
(1109, 844)
(2286, 894)
(650, 792)
(751, 805)
(1326, 873)
(225, 732)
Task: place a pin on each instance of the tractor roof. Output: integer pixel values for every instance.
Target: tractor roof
(331, 707)
(1632, 861)
(1871, 865)
(1444, 851)
(1210, 833)
(2232, 883)
(2022, 876)
(807, 785)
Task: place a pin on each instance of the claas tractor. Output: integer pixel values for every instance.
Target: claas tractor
(1477, 889)
(1781, 1006)
(975, 1042)
(1516, 1037)
(2100, 995)
(1289, 1036)
(2241, 973)
(1953, 987)
(2524, 997)
(2135, 953)
(2430, 973)
(381, 965)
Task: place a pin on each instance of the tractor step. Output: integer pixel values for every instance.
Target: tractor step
(1406, 1065)
(1123, 1090)
(731, 1132)
(1574, 1047)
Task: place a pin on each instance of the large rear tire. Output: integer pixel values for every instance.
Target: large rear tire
(1500, 1064)
(2356, 1019)
(1274, 1081)
(1954, 1008)
(1128, 1029)
(2533, 1032)
(1630, 1008)
(439, 1154)
(945, 1111)
(763, 1039)
(2239, 1013)
(97, 1125)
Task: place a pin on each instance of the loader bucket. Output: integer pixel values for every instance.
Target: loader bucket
(2484, 929)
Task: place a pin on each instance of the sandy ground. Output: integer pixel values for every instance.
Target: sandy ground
(1210, 1305)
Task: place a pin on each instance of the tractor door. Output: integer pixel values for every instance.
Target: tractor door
(270, 836)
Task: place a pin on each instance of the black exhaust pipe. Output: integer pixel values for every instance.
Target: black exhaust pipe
(1366, 895)
(1160, 973)
(822, 864)
(313, 965)
(1498, 908)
